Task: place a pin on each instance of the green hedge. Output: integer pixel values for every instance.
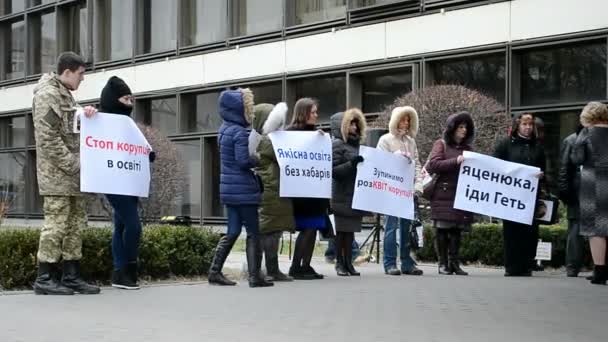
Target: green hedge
(165, 251)
(484, 244)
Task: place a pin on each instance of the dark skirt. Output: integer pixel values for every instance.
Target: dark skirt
(348, 224)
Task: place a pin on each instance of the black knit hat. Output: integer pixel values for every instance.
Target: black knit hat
(113, 90)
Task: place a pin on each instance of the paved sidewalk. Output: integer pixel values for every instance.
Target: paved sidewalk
(374, 307)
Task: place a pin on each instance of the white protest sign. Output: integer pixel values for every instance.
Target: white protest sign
(385, 183)
(543, 251)
(305, 161)
(113, 156)
(494, 187)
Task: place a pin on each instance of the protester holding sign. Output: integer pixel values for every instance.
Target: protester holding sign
(446, 158)
(276, 213)
(400, 139)
(310, 213)
(591, 154)
(239, 187)
(348, 130)
(116, 98)
(520, 240)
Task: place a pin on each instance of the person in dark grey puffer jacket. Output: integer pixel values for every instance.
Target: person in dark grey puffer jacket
(348, 129)
(239, 188)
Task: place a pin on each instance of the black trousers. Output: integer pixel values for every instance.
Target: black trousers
(520, 242)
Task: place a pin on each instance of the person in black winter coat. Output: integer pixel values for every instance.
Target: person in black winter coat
(348, 129)
(116, 98)
(520, 240)
(568, 182)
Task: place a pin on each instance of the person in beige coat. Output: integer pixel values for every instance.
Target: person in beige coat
(400, 139)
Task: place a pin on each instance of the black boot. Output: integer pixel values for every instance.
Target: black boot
(73, 279)
(350, 267)
(348, 255)
(454, 253)
(271, 250)
(122, 280)
(253, 263)
(442, 249)
(47, 282)
(216, 277)
(341, 266)
(599, 275)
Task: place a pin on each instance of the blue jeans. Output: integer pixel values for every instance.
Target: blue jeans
(330, 252)
(242, 215)
(390, 244)
(127, 230)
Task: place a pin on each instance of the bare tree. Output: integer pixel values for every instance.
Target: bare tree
(435, 103)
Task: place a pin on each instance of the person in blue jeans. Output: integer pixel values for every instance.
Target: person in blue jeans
(240, 189)
(400, 140)
(116, 98)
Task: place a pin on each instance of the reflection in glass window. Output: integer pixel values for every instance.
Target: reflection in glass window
(312, 11)
(257, 16)
(43, 42)
(267, 93)
(40, 2)
(365, 3)
(159, 31)
(485, 74)
(73, 30)
(12, 50)
(564, 74)
(200, 113)
(12, 182)
(12, 132)
(189, 202)
(159, 113)
(114, 35)
(11, 6)
(329, 91)
(204, 21)
(380, 89)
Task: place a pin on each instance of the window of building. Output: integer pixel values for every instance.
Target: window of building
(366, 3)
(12, 50)
(114, 29)
(211, 179)
(204, 21)
(11, 6)
(12, 132)
(267, 92)
(330, 91)
(157, 26)
(189, 201)
(40, 2)
(200, 112)
(574, 73)
(374, 91)
(257, 16)
(158, 113)
(73, 30)
(485, 74)
(12, 180)
(312, 11)
(42, 42)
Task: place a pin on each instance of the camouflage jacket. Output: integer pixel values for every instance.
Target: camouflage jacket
(57, 147)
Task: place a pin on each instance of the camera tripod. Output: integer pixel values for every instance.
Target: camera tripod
(375, 238)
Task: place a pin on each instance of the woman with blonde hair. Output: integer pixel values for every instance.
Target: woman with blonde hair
(590, 152)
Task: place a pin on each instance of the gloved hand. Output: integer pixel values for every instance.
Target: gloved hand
(356, 160)
(152, 156)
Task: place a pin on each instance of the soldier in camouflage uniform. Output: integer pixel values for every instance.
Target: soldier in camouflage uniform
(58, 170)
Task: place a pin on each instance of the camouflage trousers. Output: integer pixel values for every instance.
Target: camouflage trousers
(64, 217)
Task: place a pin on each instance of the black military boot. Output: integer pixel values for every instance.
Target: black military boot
(253, 263)
(73, 280)
(216, 277)
(47, 282)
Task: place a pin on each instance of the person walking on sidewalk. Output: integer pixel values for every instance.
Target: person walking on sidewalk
(116, 98)
(400, 139)
(310, 213)
(58, 171)
(445, 160)
(276, 212)
(239, 188)
(348, 130)
(569, 179)
(590, 153)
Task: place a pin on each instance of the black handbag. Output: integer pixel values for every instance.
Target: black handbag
(328, 232)
(429, 183)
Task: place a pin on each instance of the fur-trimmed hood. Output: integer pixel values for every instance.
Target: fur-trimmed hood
(453, 122)
(340, 123)
(397, 114)
(269, 118)
(236, 106)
